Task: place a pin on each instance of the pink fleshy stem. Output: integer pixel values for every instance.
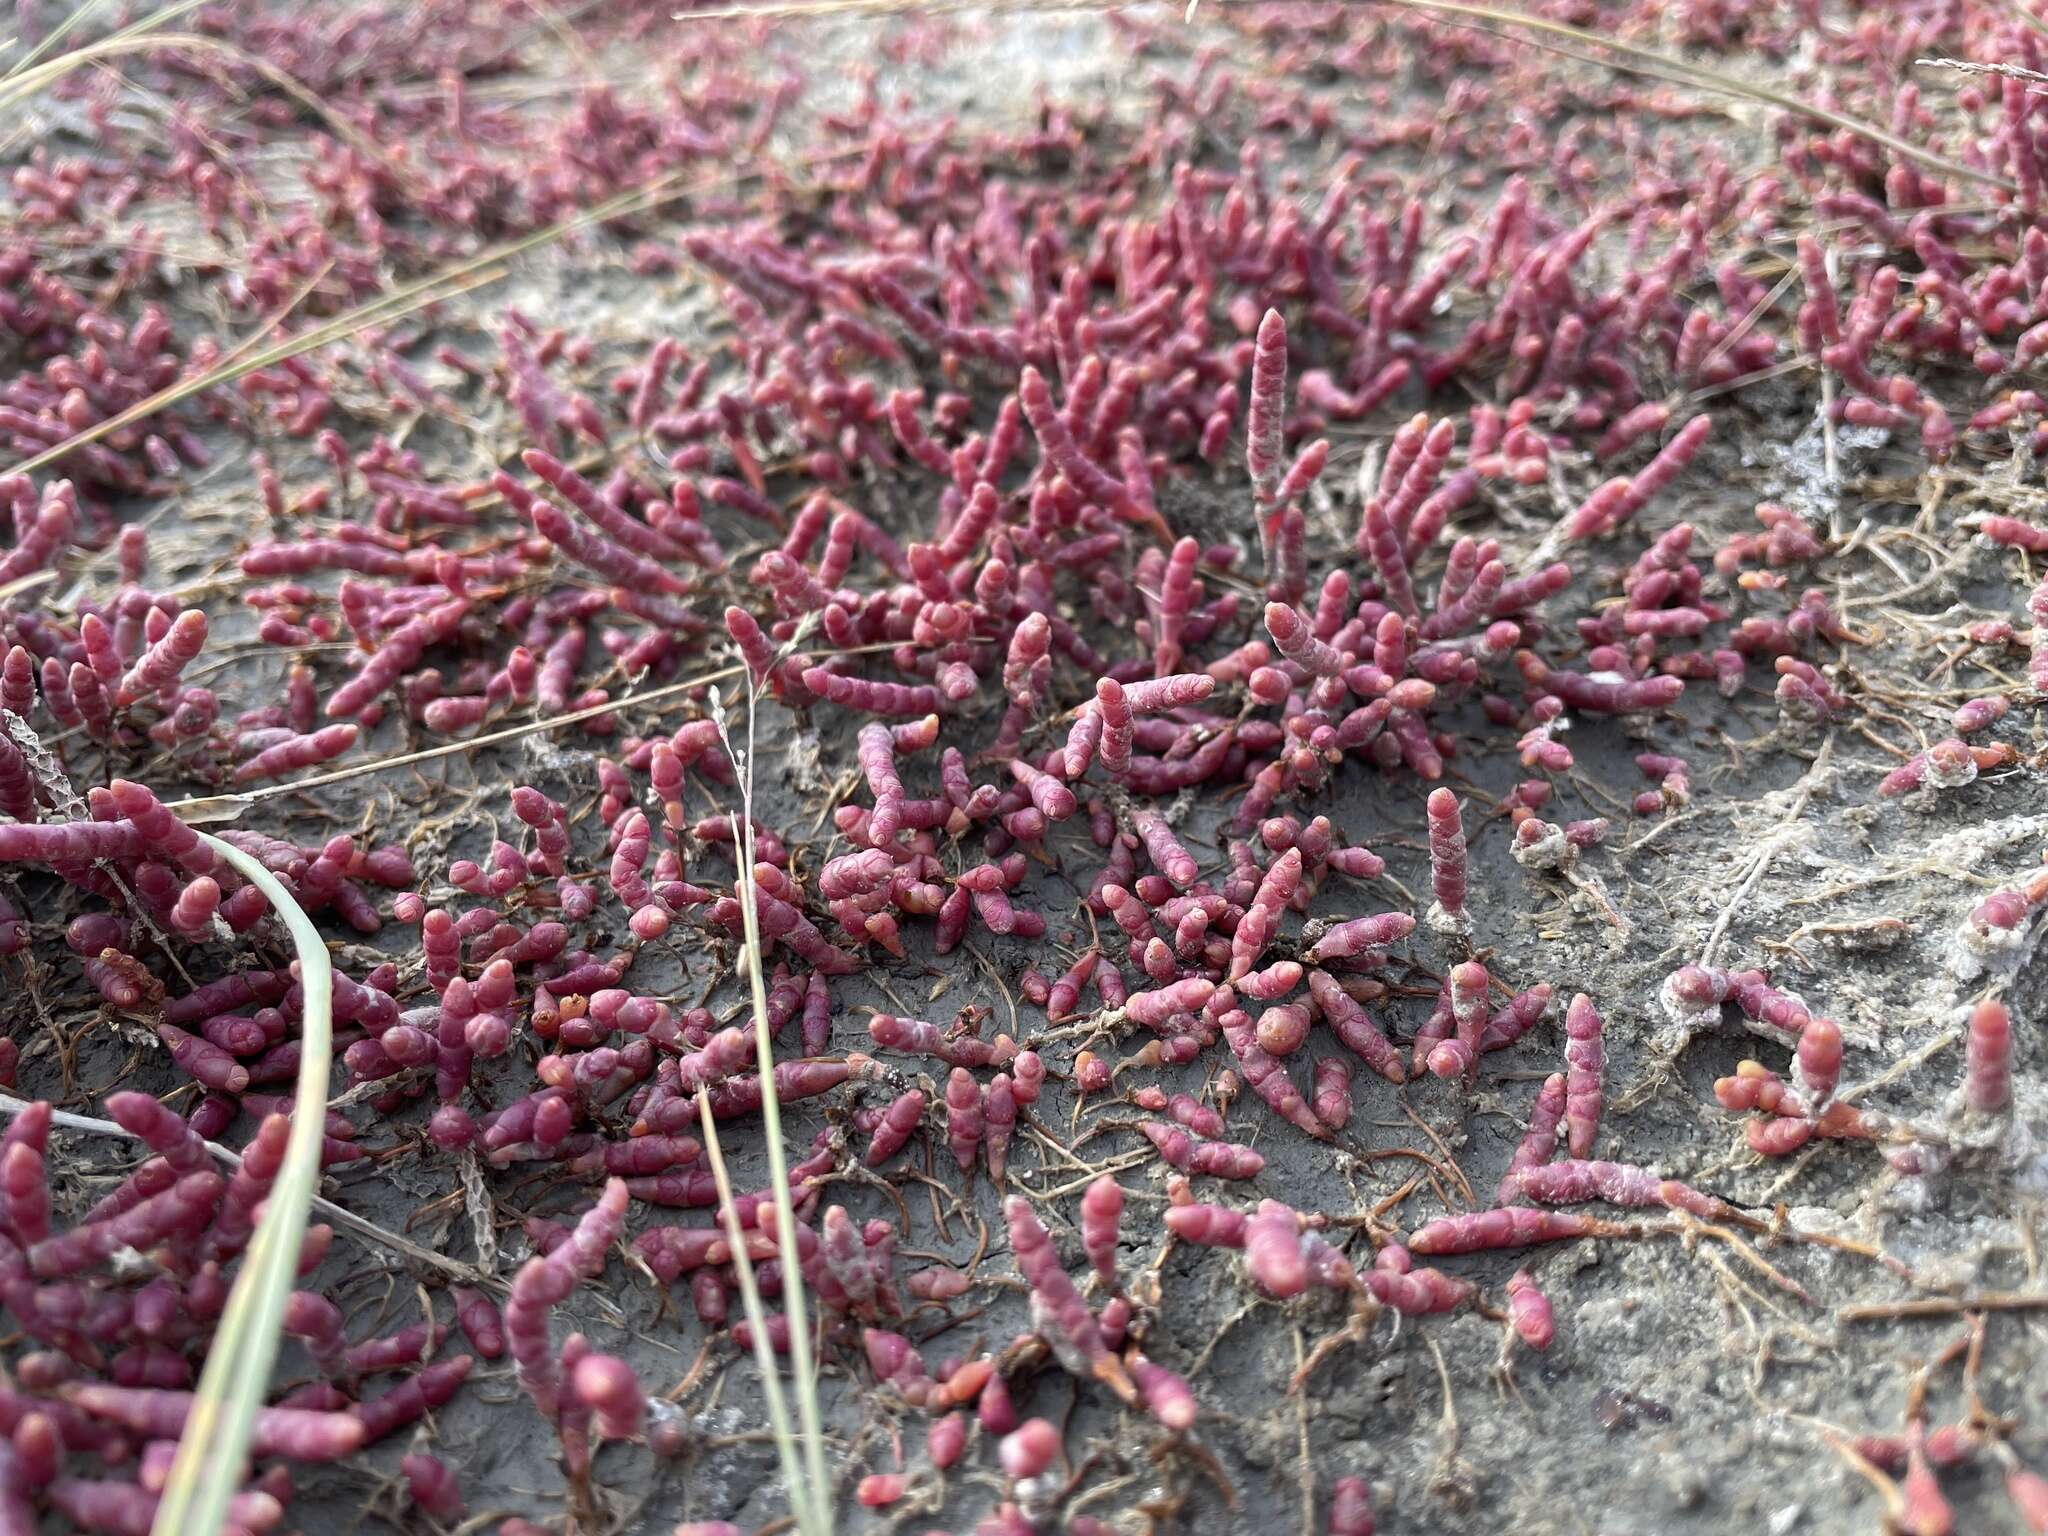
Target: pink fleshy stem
(1529, 1311)
(1379, 539)
(1265, 417)
(876, 751)
(301, 1434)
(1585, 1060)
(401, 651)
(181, 1210)
(1190, 1154)
(1357, 936)
(1268, 1078)
(1987, 1072)
(1061, 449)
(1208, 1226)
(1419, 1292)
(1351, 1508)
(1273, 1251)
(1332, 1100)
(1575, 1182)
(1477, 1231)
(1295, 639)
(1102, 1208)
(1255, 929)
(1306, 469)
(544, 1282)
(1349, 1021)
(296, 752)
(1059, 1315)
(1114, 731)
(1446, 861)
(159, 668)
(1167, 854)
(1458, 1056)
(593, 550)
(873, 696)
(1539, 1141)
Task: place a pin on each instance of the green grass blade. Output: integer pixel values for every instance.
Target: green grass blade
(211, 1452)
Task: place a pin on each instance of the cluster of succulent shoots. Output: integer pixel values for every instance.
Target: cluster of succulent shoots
(111, 1372)
(1789, 1115)
(955, 420)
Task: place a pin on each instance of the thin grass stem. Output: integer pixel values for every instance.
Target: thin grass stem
(757, 1320)
(473, 272)
(778, 1163)
(85, 13)
(1639, 60)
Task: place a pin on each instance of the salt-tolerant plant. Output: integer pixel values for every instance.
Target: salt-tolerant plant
(1341, 685)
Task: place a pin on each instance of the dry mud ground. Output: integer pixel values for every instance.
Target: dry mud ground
(1689, 1389)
